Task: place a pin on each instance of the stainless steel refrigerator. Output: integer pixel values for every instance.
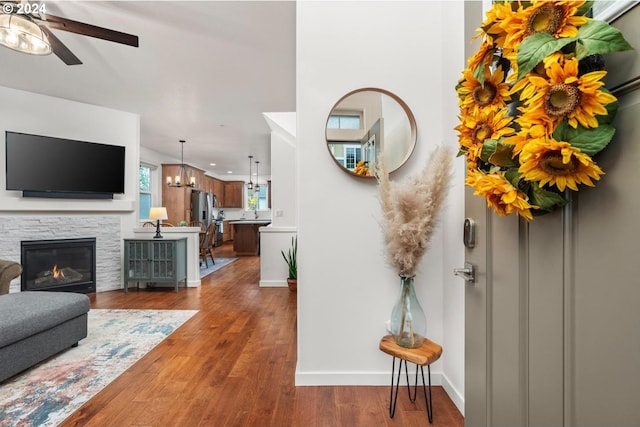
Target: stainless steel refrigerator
(202, 207)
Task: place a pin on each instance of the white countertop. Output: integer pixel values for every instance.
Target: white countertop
(251, 221)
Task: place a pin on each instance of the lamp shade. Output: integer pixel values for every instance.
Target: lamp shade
(21, 34)
(158, 213)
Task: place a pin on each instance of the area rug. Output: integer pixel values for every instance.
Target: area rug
(48, 393)
(220, 262)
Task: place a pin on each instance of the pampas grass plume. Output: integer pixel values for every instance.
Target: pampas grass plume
(411, 209)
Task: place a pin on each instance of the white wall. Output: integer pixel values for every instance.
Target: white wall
(284, 203)
(346, 290)
(454, 61)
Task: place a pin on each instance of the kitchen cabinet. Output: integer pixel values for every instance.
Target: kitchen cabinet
(233, 194)
(218, 190)
(155, 260)
(246, 236)
(227, 231)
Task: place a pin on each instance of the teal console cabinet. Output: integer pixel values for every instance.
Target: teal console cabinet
(155, 261)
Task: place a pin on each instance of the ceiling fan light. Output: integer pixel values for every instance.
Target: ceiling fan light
(21, 34)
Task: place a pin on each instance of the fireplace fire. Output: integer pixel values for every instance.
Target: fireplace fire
(66, 265)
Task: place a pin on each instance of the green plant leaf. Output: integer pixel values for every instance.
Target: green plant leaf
(488, 148)
(599, 37)
(503, 156)
(545, 200)
(478, 73)
(589, 141)
(535, 48)
(513, 176)
(584, 9)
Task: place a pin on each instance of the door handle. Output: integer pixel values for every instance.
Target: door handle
(468, 273)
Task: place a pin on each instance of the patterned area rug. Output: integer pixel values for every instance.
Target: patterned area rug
(220, 262)
(48, 393)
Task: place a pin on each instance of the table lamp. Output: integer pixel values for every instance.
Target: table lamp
(158, 213)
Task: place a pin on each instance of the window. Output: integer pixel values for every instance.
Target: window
(262, 198)
(344, 121)
(346, 153)
(145, 192)
(352, 156)
(257, 200)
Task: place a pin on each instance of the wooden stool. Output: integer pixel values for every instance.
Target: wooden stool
(428, 353)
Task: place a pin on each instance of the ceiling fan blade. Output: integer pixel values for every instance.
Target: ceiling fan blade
(64, 24)
(60, 49)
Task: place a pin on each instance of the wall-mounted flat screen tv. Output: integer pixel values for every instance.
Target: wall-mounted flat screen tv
(43, 166)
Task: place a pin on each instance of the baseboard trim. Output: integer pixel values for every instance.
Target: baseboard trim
(454, 394)
(273, 284)
(355, 378)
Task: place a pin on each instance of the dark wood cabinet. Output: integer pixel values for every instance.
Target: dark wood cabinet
(233, 194)
(218, 191)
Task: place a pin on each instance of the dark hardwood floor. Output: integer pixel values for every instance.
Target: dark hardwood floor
(233, 364)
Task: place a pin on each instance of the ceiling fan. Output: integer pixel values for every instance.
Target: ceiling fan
(26, 27)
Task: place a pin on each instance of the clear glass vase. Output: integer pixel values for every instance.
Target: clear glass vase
(408, 322)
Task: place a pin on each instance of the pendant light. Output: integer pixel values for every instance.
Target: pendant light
(250, 184)
(182, 180)
(256, 187)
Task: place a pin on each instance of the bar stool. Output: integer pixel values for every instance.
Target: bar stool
(422, 356)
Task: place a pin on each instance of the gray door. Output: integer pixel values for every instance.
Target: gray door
(552, 321)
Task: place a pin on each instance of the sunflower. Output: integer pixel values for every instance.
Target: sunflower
(492, 25)
(500, 194)
(474, 130)
(557, 163)
(475, 97)
(483, 56)
(557, 18)
(564, 95)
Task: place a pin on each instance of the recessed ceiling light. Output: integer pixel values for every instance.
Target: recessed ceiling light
(229, 171)
(212, 164)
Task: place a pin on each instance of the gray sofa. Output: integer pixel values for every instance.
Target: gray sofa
(37, 325)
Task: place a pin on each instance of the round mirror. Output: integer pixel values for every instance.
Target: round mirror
(365, 123)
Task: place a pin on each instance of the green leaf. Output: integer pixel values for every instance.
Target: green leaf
(584, 9)
(535, 48)
(503, 156)
(513, 176)
(545, 200)
(488, 148)
(478, 73)
(588, 141)
(599, 37)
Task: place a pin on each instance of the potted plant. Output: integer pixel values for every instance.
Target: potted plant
(291, 258)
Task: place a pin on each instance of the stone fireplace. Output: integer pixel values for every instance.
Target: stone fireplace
(106, 228)
(65, 265)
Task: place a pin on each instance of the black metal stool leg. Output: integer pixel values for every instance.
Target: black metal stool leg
(429, 401)
(393, 397)
(415, 384)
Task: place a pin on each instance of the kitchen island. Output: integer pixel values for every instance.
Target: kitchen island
(246, 237)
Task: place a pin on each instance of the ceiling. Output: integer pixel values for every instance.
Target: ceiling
(205, 72)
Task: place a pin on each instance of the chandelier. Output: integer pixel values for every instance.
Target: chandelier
(182, 180)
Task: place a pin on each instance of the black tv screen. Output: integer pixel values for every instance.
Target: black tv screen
(42, 166)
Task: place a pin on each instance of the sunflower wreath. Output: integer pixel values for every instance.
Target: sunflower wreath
(533, 106)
